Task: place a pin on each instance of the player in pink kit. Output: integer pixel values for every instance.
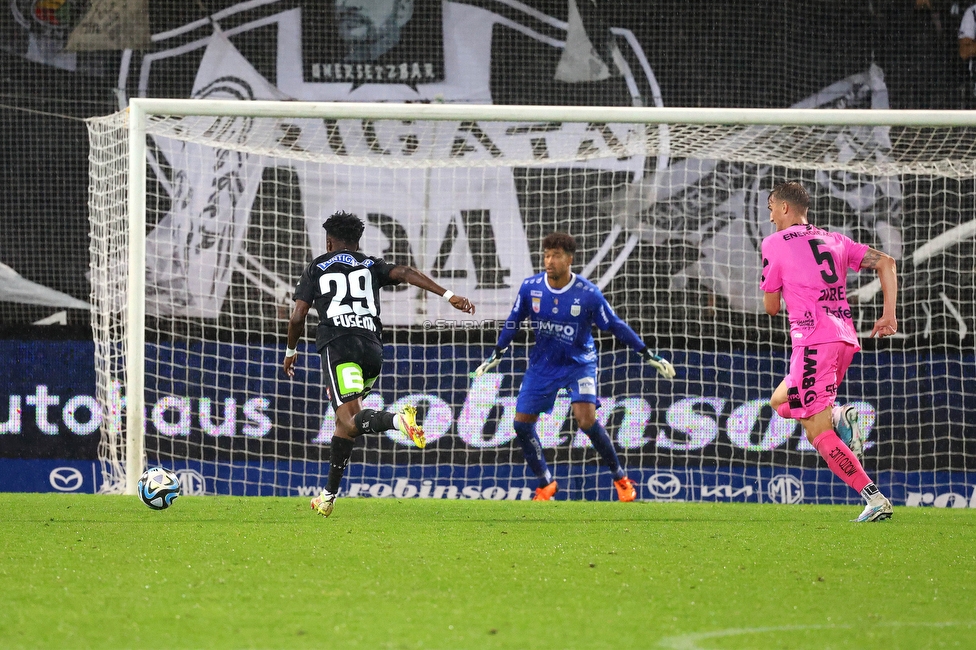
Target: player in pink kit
(808, 266)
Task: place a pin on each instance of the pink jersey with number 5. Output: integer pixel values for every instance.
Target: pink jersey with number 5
(809, 265)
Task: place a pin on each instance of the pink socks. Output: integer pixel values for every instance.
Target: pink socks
(841, 460)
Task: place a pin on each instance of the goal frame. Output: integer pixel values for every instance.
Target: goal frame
(140, 108)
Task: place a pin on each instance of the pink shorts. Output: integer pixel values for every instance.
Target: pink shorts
(815, 374)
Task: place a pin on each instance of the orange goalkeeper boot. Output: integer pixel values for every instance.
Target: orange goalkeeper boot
(545, 493)
(626, 489)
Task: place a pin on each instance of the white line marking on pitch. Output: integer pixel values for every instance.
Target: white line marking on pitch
(690, 641)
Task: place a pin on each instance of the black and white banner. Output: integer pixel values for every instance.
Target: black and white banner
(466, 227)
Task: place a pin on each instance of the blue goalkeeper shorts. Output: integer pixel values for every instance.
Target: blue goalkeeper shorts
(538, 391)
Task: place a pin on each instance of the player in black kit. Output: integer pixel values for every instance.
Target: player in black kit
(343, 285)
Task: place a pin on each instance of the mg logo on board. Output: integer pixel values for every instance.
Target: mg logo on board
(191, 482)
(785, 488)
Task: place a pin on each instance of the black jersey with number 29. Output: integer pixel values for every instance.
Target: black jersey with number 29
(344, 287)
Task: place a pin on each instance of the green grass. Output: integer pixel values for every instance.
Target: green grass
(106, 572)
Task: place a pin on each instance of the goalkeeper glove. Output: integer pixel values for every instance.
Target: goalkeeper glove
(662, 365)
(492, 361)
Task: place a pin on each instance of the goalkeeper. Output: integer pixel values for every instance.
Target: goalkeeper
(562, 308)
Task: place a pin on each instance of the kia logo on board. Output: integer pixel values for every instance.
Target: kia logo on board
(66, 479)
(664, 485)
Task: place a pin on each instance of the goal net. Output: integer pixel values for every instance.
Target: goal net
(205, 213)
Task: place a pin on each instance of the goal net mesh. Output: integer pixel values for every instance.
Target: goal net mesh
(668, 219)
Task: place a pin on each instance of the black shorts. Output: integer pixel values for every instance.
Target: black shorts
(350, 365)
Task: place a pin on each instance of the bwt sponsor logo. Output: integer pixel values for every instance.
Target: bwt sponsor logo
(943, 500)
(403, 488)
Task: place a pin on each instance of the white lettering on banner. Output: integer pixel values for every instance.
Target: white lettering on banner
(253, 410)
(41, 401)
(481, 399)
(485, 420)
(697, 427)
(12, 425)
(613, 145)
(405, 489)
(163, 416)
(173, 416)
(944, 500)
(743, 419)
(70, 415)
(228, 428)
(683, 417)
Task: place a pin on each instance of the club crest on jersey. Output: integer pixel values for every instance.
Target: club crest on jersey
(536, 304)
(575, 310)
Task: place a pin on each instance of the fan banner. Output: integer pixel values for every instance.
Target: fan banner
(470, 228)
(363, 43)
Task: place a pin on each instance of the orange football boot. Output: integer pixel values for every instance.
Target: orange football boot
(626, 489)
(545, 493)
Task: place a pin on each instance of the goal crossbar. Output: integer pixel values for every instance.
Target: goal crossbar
(637, 115)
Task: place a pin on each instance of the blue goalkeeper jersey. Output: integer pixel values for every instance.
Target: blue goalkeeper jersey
(562, 320)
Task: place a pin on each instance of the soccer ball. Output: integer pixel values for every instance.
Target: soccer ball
(158, 488)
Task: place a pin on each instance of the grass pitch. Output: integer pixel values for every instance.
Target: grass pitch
(224, 572)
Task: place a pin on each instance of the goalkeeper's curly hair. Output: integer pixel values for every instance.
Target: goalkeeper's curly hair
(344, 227)
(561, 240)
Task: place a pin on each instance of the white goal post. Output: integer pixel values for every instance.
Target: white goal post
(202, 210)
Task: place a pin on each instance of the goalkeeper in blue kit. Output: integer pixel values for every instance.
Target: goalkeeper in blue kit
(562, 308)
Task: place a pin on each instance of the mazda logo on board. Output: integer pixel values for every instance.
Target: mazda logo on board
(664, 485)
(66, 479)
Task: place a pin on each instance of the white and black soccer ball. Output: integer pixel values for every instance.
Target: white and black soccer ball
(158, 488)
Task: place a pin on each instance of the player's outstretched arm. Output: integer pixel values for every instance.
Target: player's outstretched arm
(607, 319)
(491, 362)
(659, 363)
(507, 335)
(888, 275)
(412, 276)
(296, 327)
